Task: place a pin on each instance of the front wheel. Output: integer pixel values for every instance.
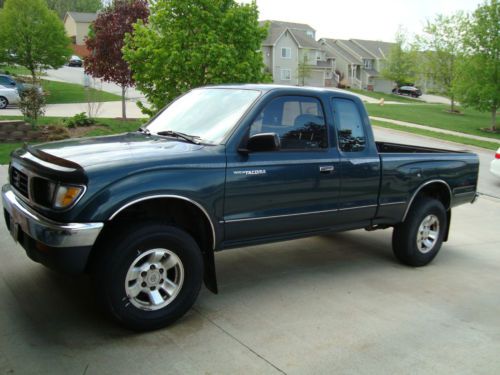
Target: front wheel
(3, 102)
(418, 239)
(149, 277)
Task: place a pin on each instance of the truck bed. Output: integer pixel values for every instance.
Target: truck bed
(386, 147)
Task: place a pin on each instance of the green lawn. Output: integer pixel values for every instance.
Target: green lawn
(62, 92)
(387, 97)
(14, 70)
(436, 115)
(110, 126)
(437, 135)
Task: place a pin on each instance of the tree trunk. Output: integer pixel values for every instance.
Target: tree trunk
(33, 76)
(452, 104)
(124, 110)
(494, 119)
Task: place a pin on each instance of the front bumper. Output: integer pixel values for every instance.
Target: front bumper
(57, 245)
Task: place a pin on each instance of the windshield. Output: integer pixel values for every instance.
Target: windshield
(208, 114)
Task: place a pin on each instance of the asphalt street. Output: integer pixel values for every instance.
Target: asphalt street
(338, 303)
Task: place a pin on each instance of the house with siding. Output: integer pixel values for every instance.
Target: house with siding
(77, 26)
(293, 56)
(358, 62)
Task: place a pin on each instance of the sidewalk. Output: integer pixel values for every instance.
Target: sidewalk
(437, 130)
(106, 110)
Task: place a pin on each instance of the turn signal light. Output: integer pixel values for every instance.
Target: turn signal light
(66, 195)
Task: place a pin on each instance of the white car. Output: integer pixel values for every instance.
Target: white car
(495, 164)
(8, 96)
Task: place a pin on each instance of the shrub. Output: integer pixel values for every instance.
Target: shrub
(80, 119)
(32, 104)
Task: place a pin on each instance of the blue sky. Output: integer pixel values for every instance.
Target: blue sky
(363, 19)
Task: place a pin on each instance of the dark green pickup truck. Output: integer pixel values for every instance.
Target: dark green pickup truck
(224, 167)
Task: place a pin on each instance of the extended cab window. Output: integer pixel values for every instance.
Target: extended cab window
(299, 121)
(349, 126)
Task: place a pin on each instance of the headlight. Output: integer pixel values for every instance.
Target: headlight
(51, 194)
(66, 195)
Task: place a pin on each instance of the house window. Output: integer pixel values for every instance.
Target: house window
(286, 53)
(310, 33)
(286, 75)
(368, 64)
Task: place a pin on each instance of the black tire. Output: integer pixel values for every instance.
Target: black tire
(3, 102)
(126, 248)
(405, 237)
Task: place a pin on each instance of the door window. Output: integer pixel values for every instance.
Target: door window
(298, 121)
(350, 130)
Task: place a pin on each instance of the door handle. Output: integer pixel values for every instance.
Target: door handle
(326, 169)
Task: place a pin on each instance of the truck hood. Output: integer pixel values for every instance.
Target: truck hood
(122, 149)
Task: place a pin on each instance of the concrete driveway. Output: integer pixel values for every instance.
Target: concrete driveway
(331, 304)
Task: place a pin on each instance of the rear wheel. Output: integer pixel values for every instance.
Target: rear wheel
(3, 102)
(149, 277)
(418, 239)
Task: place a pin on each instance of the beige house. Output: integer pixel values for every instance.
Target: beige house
(77, 27)
(359, 62)
(294, 57)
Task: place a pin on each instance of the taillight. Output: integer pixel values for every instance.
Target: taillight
(497, 155)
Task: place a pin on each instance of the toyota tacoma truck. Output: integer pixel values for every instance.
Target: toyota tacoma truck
(224, 167)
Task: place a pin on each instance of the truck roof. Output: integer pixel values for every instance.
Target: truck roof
(287, 89)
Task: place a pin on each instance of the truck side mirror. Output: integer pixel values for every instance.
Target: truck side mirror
(262, 142)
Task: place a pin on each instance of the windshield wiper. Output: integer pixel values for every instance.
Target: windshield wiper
(186, 137)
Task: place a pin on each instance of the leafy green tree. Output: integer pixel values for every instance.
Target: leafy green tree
(33, 36)
(400, 64)
(188, 44)
(442, 42)
(63, 6)
(477, 83)
(304, 70)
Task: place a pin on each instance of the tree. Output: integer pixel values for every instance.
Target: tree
(194, 43)
(106, 40)
(63, 6)
(442, 41)
(477, 83)
(33, 36)
(304, 70)
(400, 64)
(32, 105)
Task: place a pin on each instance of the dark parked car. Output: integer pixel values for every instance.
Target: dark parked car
(224, 167)
(408, 90)
(75, 61)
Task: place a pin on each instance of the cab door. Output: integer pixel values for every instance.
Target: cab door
(291, 190)
(359, 162)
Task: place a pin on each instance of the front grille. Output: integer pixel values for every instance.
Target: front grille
(19, 180)
(42, 191)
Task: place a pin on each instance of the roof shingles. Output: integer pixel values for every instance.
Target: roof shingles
(83, 17)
